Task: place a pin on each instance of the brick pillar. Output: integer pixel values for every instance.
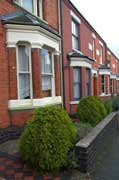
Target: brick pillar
(36, 73)
(107, 84)
(83, 75)
(100, 84)
(92, 84)
(4, 115)
(57, 68)
(12, 73)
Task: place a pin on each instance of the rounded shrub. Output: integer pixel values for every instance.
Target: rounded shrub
(91, 110)
(108, 106)
(47, 139)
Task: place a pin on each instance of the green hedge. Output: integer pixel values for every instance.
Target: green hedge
(48, 138)
(115, 103)
(91, 110)
(108, 106)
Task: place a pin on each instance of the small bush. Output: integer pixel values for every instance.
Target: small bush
(82, 130)
(48, 138)
(91, 110)
(115, 103)
(108, 106)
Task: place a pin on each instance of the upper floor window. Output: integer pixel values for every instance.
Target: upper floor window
(33, 6)
(75, 35)
(77, 83)
(47, 73)
(101, 54)
(24, 71)
(94, 49)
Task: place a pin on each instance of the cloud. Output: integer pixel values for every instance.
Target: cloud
(103, 16)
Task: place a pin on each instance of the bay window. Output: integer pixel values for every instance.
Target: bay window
(24, 72)
(47, 72)
(77, 83)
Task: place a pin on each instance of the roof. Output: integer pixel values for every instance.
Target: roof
(23, 17)
(78, 54)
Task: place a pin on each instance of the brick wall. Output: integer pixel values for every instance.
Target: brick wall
(50, 12)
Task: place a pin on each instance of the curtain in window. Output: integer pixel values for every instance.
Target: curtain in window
(46, 70)
(23, 72)
(77, 83)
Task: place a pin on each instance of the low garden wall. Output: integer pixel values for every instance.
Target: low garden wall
(90, 146)
(10, 133)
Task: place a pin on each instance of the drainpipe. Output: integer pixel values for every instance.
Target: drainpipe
(62, 53)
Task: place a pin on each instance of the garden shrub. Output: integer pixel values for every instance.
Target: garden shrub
(115, 103)
(47, 139)
(108, 106)
(91, 110)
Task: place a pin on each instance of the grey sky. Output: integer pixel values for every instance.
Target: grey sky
(103, 16)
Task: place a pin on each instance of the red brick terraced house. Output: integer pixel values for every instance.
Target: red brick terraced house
(30, 60)
(89, 67)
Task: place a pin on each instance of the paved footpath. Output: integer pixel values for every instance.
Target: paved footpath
(12, 168)
(108, 167)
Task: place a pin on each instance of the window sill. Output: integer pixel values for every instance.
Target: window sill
(103, 94)
(33, 103)
(74, 102)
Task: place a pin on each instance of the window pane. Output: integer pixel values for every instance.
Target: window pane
(46, 83)
(28, 4)
(77, 83)
(46, 61)
(75, 43)
(23, 58)
(24, 86)
(76, 75)
(75, 28)
(87, 82)
(77, 91)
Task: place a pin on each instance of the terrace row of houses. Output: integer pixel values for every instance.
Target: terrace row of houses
(50, 55)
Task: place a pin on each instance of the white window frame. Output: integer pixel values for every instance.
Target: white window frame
(35, 9)
(79, 83)
(101, 53)
(94, 49)
(30, 70)
(52, 75)
(103, 84)
(73, 35)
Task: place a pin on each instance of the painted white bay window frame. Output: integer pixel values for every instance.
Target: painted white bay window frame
(37, 38)
(26, 45)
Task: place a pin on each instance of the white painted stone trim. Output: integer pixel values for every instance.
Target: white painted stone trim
(103, 94)
(33, 103)
(74, 102)
(101, 43)
(90, 47)
(94, 72)
(108, 52)
(104, 71)
(113, 76)
(97, 52)
(36, 36)
(93, 35)
(80, 62)
(77, 19)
